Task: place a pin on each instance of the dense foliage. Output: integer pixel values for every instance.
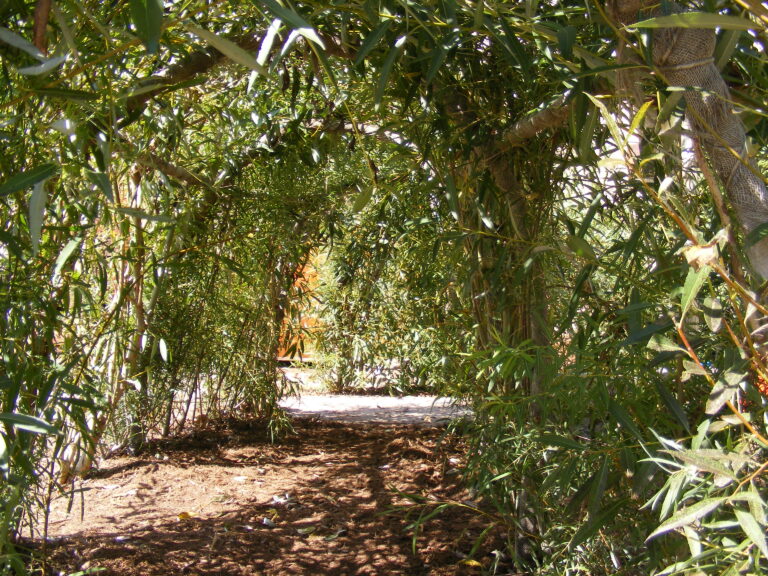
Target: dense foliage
(510, 208)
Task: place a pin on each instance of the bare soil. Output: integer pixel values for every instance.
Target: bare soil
(225, 500)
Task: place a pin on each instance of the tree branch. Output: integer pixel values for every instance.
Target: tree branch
(550, 117)
(194, 64)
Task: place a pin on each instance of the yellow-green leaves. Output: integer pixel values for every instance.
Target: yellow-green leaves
(697, 20)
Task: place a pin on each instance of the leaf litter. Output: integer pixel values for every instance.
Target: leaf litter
(224, 500)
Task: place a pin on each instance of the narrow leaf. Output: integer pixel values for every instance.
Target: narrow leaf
(713, 313)
(37, 202)
(43, 68)
(147, 17)
(661, 343)
(581, 248)
(101, 180)
(559, 441)
(268, 42)
(386, 68)
(589, 528)
(64, 255)
(622, 417)
(452, 195)
(609, 120)
(28, 423)
(371, 41)
(688, 516)
(725, 389)
(136, 213)
(697, 20)
(598, 489)
(639, 118)
(673, 405)
(566, 38)
(293, 20)
(228, 48)
(27, 179)
(752, 529)
(693, 283)
(757, 508)
(363, 198)
(704, 463)
(13, 39)
(438, 57)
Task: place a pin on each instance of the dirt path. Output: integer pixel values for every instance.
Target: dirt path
(227, 501)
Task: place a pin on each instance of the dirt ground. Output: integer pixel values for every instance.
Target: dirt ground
(225, 500)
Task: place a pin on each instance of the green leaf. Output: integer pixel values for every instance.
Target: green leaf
(439, 54)
(693, 283)
(37, 202)
(639, 118)
(688, 515)
(724, 390)
(136, 213)
(673, 486)
(12, 39)
(752, 529)
(673, 405)
(28, 423)
(705, 461)
(386, 69)
(713, 313)
(371, 41)
(101, 180)
(622, 417)
(362, 199)
(28, 179)
(147, 17)
(64, 255)
(609, 120)
(757, 508)
(646, 332)
(452, 195)
(559, 441)
(267, 43)
(44, 67)
(661, 343)
(581, 248)
(697, 20)
(590, 528)
(228, 48)
(566, 38)
(598, 489)
(292, 19)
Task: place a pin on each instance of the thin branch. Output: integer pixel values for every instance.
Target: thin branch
(42, 14)
(151, 160)
(196, 63)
